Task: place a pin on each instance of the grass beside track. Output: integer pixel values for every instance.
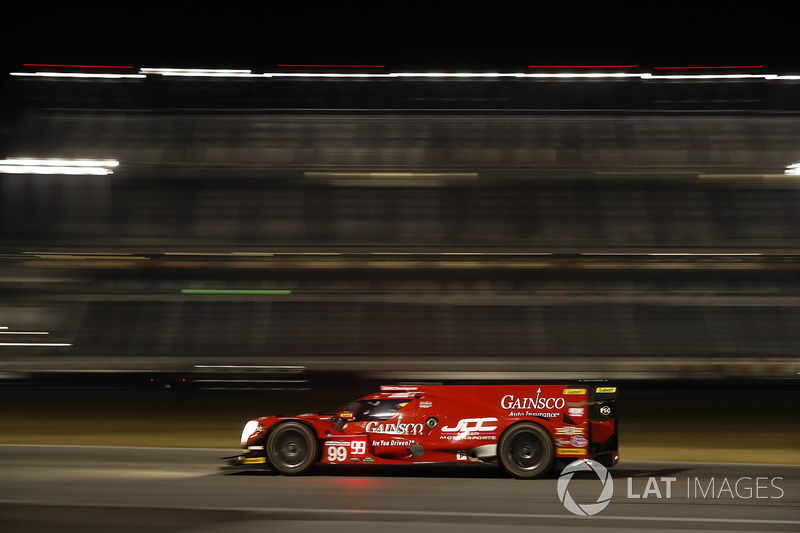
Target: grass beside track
(730, 425)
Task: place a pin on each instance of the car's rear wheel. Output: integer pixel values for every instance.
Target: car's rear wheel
(526, 451)
(292, 448)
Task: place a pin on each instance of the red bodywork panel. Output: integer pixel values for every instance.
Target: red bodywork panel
(405, 424)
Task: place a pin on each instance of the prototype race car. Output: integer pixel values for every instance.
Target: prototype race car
(526, 428)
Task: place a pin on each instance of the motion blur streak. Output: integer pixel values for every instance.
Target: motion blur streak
(87, 75)
(72, 66)
(58, 166)
(708, 68)
(33, 344)
(582, 66)
(604, 222)
(219, 73)
(600, 73)
(334, 66)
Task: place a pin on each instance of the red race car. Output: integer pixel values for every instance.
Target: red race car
(526, 428)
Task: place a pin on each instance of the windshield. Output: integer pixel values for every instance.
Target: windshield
(376, 409)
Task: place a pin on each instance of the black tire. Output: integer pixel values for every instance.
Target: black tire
(292, 448)
(526, 451)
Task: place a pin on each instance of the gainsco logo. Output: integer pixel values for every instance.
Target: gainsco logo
(509, 401)
(394, 429)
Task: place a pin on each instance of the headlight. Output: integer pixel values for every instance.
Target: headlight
(248, 430)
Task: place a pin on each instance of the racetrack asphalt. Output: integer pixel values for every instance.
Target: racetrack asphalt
(90, 489)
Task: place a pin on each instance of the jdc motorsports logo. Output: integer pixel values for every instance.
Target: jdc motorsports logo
(658, 488)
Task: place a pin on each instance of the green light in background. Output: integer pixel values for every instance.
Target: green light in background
(236, 291)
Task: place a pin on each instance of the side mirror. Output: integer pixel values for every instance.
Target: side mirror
(343, 418)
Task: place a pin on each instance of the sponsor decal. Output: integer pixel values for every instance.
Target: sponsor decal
(393, 442)
(530, 413)
(394, 429)
(605, 410)
(563, 442)
(569, 430)
(603, 390)
(472, 428)
(571, 451)
(576, 411)
(509, 401)
(579, 441)
(461, 456)
(472, 424)
(368, 460)
(254, 460)
(574, 391)
(425, 405)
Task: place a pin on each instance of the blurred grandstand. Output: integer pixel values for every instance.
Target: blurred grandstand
(404, 227)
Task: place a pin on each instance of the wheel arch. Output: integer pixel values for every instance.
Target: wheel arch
(536, 421)
(283, 421)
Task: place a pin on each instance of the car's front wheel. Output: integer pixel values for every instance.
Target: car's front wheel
(526, 451)
(292, 448)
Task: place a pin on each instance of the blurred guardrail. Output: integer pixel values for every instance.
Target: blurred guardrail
(269, 373)
(250, 377)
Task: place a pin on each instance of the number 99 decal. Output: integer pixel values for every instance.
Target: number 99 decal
(338, 452)
(358, 447)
